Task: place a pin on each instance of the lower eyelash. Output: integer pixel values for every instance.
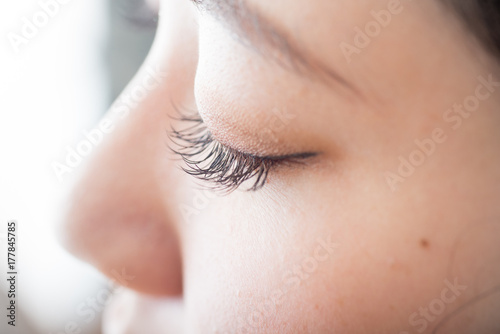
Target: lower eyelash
(209, 160)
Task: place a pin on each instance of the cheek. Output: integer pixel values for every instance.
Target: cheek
(266, 263)
(253, 263)
(261, 261)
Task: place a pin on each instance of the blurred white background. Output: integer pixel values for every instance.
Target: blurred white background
(56, 86)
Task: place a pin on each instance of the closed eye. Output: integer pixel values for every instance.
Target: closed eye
(225, 168)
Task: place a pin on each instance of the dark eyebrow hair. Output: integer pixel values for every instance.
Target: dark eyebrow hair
(257, 32)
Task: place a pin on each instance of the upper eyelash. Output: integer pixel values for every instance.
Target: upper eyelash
(226, 168)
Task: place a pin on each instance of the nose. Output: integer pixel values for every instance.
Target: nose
(123, 212)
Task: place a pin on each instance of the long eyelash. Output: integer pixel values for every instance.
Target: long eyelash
(209, 160)
(224, 167)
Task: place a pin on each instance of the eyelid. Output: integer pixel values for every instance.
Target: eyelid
(225, 167)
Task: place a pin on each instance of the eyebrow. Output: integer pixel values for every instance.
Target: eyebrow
(260, 34)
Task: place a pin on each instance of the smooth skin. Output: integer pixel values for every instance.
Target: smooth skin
(325, 247)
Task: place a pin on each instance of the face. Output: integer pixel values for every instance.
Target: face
(367, 133)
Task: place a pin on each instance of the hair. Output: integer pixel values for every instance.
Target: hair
(482, 18)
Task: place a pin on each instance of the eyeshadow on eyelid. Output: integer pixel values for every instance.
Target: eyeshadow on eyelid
(224, 167)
